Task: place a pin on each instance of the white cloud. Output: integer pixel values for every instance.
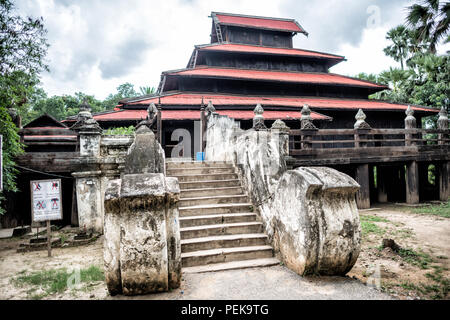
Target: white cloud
(98, 45)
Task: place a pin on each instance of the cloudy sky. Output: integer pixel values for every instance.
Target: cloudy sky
(96, 45)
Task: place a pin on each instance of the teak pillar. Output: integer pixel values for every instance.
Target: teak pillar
(444, 181)
(363, 195)
(381, 184)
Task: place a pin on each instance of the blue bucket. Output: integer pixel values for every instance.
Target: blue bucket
(200, 156)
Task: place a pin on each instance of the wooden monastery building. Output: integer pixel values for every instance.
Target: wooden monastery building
(250, 60)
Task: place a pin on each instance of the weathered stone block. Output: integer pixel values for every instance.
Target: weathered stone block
(142, 241)
(315, 221)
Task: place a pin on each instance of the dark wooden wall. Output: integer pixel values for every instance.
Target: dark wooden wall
(265, 88)
(262, 62)
(257, 37)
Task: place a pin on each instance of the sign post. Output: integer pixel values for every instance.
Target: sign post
(46, 204)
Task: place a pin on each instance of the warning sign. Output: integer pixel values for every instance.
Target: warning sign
(46, 200)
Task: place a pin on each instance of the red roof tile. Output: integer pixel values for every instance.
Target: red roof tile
(195, 115)
(268, 50)
(194, 99)
(288, 25)
(298, 77)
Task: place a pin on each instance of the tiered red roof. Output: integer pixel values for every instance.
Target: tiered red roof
(285, 76)
(246, 48)
(128, 114)
(276, 24)
(195, 99)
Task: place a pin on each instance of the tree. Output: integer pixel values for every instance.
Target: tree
(125, 90)
(23, 47)
(431, 20)
(147, 90)
(398, 50)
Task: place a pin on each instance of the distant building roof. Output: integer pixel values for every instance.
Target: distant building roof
(285, 76)
(231, 47)
(268, 23)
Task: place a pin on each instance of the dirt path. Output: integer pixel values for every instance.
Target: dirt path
(423, 276)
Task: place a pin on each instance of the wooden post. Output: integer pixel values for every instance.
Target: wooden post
(363, 195)
(159, 123)
(307, 127)
(361, 128)
(442, 124)
(202, 127)
(444, 181)
(412, 183)
(381, 184)
(49, 239)
(410, 123)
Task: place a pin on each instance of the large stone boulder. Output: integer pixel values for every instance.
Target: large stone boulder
(142, 252)
(315, 221)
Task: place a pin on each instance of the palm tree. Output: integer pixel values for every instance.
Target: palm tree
(398, 50)
(147, 90)
(431, 19)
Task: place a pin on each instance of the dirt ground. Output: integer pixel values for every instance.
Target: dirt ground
(420, 272)
(404, 277)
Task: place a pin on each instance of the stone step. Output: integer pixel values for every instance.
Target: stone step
(202, 192)
(253, 263)
(192, 221)
(204, 257)
(215, 209)
(225, 241)
(220, 229)
(202, 170)
(197, 201)
(206, 177)
(196, 164)
(209, 184)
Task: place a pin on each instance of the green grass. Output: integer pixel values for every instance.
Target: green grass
(420, 259)
(368, 226)
(441, 210)
(55, 280)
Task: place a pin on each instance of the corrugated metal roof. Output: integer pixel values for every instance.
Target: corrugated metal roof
(195, 115)
(298, 77)
(287, 25)
(189, 99)
(268, 50)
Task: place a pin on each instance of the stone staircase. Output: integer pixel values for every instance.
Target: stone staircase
(219, 228)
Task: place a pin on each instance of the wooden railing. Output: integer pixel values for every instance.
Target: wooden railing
(303, 141)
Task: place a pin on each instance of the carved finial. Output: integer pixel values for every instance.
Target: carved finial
(442, 122)
(85, 121)
(258, 110)
(410, 120)
(409, 112)
(258, 119)
(306, 119)
(279, 125)
(202, 105)
(151, 111)
(149, 121)
(360, 120)
(84, 106)
(210, 109)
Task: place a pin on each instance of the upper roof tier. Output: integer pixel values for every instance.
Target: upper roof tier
(282, 76)
(262, 57)
(255, 22)
(265, 31)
